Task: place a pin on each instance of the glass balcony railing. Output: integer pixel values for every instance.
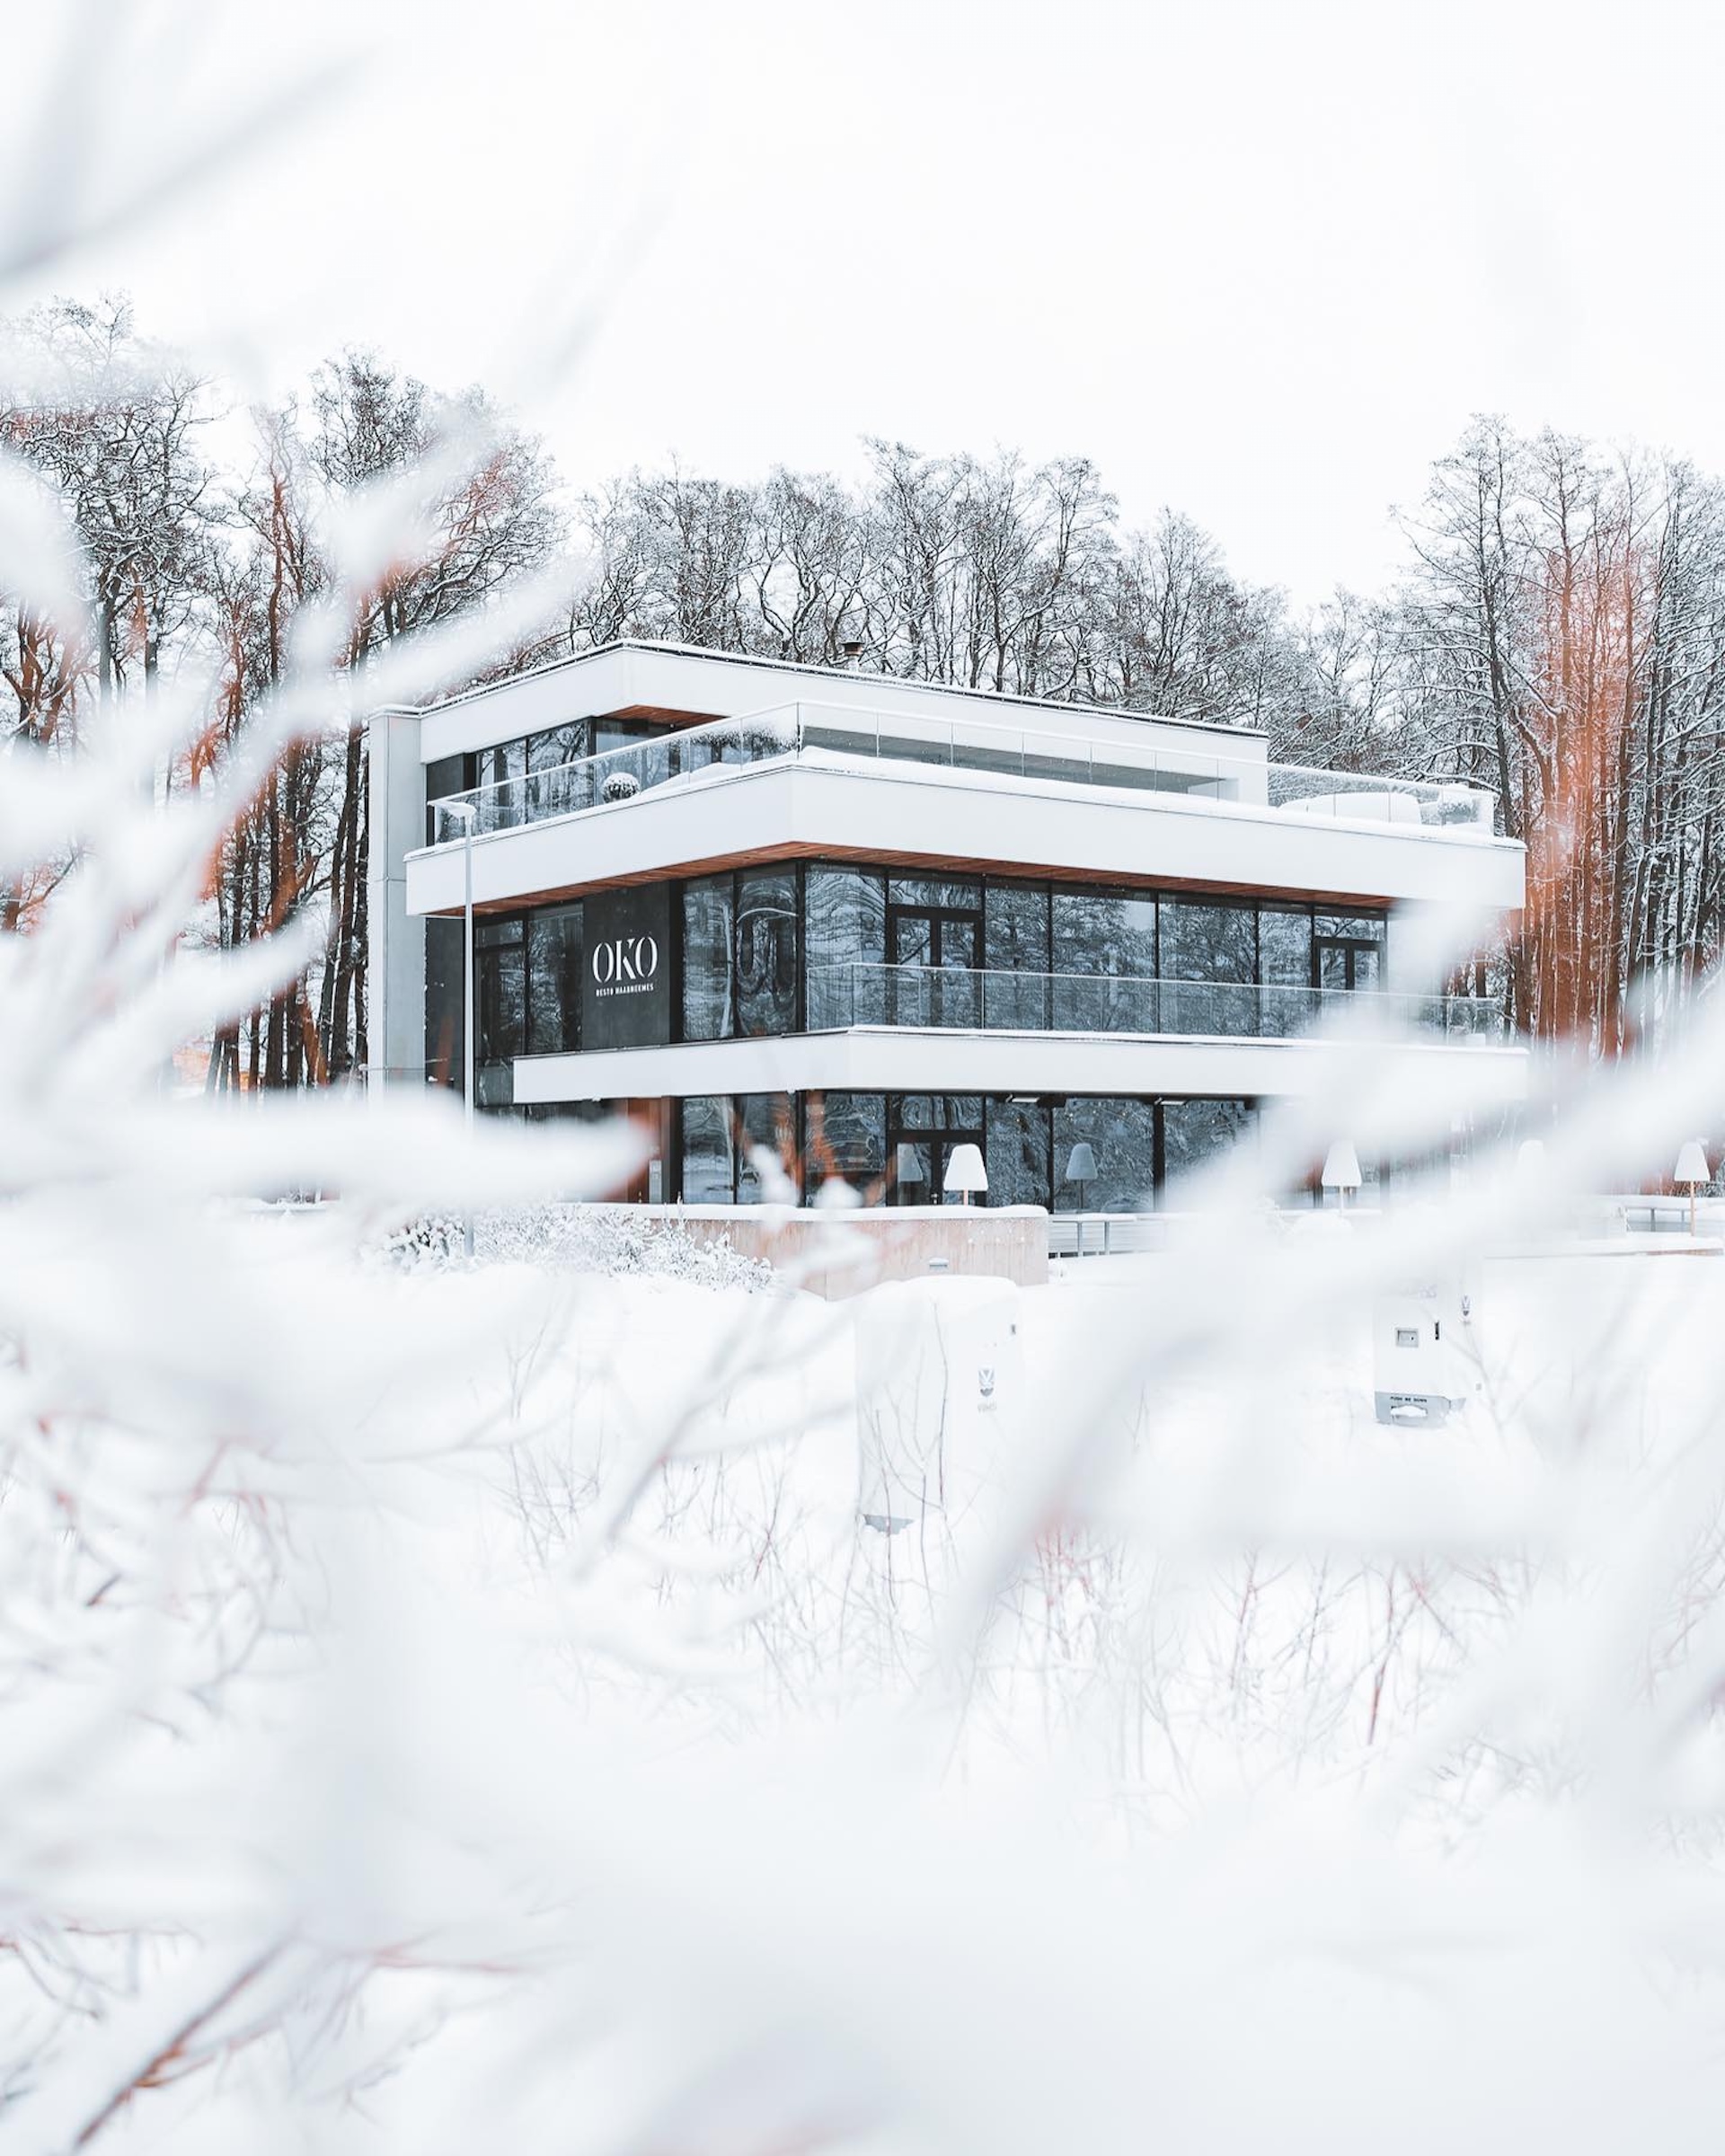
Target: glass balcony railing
(825, 733)
(868, 994)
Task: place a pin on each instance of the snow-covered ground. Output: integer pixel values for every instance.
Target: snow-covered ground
(1211, 1776)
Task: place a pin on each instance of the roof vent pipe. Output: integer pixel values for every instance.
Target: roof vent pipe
(853, 654)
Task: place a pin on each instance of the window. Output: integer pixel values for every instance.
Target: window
(554, 952)
(847, 1138)
(922, 1131)
(846, 912)
(556, 745)
(769, 1126)
(1358, 928)
(960, 894)
(1105, 963)
(1193, 1132)
(1017, 1152)
(446, 943)
(501, 960)
(709, 1155)
(766, 951)
(1209, 962)
(553, 788)
(447, 775)
(1285, 969)
(708, 996)
(1121, 1136)
(1015, 953)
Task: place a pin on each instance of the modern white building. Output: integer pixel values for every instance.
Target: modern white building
(862, 921)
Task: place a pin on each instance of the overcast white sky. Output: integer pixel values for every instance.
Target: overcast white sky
(1260, 262)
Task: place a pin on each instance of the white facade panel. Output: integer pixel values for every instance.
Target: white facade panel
(977, 818)
(902, 1059)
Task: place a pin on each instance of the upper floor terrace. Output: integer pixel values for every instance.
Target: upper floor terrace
(809, 777)
(960, 744)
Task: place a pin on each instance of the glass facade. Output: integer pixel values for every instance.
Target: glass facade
(526, 993)
(1098, 1154)
(793, 947)
(1105, 961)
(788, 948)
(500, 1004)
(846, 910)
(767, 1125)
(709, 1152)
(765, 950)
(1015, 947)
(1211, 960)
(708, 995)
(1121, 1137)
(1194, 1131)
(555, 947)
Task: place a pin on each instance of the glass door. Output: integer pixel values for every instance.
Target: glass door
(1346, 963)
(937, 952)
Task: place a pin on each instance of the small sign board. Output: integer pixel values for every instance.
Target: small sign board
(626, 980)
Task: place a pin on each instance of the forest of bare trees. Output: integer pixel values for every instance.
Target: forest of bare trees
(1558, 633)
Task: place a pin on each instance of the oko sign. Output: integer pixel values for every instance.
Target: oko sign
(625, 981)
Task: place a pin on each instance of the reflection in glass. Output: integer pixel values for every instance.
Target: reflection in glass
(766, 951)
(555, 948)
(1122, 1138)
(708, 1162)
(445, 1014)
(1017, 1152)
(769, 1126)
(1194, 1131)
(847, 1138)
(846, 910)
(1209, 954)
(708, 1003)
(1015, 951)
(961, 892)
(1284, 967)
(1365, 928)
(1105, 963)
(555, 746)
(499, 958)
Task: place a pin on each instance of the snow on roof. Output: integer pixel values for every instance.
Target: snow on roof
(806, 669)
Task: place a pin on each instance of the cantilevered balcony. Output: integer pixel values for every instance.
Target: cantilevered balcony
(829, 737)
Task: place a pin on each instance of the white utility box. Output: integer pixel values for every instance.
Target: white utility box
(1424, 1369)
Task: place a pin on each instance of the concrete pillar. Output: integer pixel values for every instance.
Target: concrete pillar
(395, 982)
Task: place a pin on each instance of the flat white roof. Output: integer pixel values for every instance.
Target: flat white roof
(725, 677)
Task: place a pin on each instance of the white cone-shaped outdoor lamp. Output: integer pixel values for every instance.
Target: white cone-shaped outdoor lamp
(1081, 1168)
(1692, 1170)
(1341, 1170)
(965, 1172)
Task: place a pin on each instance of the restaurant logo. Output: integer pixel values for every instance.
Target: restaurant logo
(625, 966)
(626, 985)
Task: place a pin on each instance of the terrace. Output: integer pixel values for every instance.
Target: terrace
(829, 737)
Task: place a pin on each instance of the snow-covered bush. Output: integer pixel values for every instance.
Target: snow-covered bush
(458, 1708)
(616, 1240)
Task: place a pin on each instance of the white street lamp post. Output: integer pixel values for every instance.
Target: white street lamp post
(467, 811)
